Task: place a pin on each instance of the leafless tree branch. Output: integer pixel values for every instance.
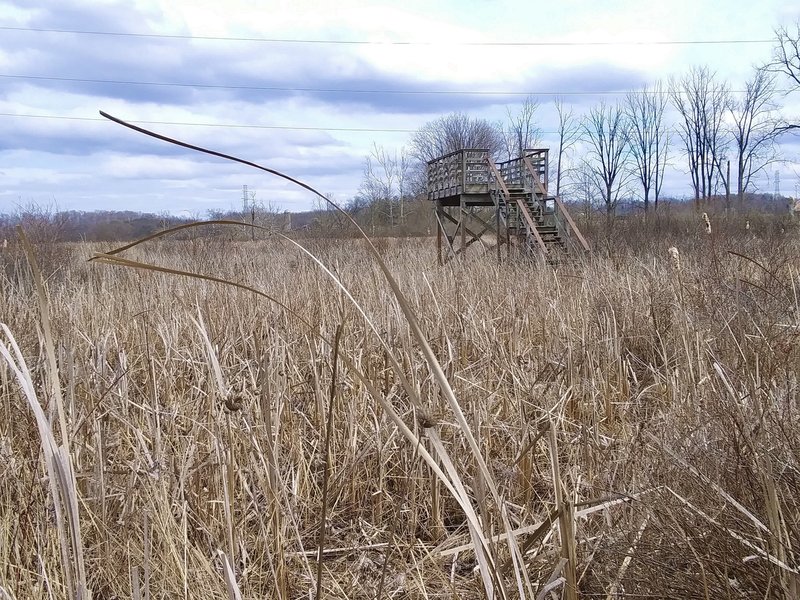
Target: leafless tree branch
(701, 102)
(649, 139)
(754, 129)
(520, 131)
(569, 133)
(786, 53)
(606, 131)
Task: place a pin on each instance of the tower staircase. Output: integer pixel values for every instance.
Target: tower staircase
(516, 190)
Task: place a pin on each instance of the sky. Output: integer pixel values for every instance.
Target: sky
(308, 87)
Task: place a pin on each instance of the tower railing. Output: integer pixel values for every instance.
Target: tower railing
(460, 172)
(498, 184)
(560, 215)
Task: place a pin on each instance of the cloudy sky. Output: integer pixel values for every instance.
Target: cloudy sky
(306, 87)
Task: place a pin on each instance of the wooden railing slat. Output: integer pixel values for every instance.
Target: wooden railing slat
(572, 225)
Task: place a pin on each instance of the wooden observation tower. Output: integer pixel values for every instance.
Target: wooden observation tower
(495, 204)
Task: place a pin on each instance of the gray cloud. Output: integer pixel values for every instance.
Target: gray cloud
(255, 73)
(339, 77)
(591, 78)
(74, 138)
(91, 137)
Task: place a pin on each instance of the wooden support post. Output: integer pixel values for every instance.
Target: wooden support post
(508, 237)
(498, 238)
(439, 225)
(546, 173)
(463, 224)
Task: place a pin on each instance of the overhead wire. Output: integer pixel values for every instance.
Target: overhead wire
(323, 90)
(271, 40)
(244, 126)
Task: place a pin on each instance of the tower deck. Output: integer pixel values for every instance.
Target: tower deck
(463, 184)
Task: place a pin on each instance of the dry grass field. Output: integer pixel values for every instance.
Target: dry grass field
(626, 427)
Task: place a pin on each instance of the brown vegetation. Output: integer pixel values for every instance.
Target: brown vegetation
(645, 409)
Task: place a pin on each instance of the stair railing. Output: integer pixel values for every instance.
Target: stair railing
(572, 228)
(521, 206)
(563, 219)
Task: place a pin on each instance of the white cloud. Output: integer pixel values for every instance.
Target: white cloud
(78, 161)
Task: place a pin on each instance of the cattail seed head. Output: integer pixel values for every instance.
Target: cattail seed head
(675, 258)
(747, 225)
(707, 222)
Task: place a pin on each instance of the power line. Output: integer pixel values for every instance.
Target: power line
(339, 90)
(387, 43)
(247, 126)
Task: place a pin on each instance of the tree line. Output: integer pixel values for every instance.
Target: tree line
(617, 150)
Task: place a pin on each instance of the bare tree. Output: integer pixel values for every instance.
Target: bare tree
(386, 183)
(606, 133)
(520, 131)
(701, 102)
(755, 126)
(267, 215)
(569, 132)
(649, 139)
(586, 189)
(403, 170)
(786, 54)
(452, 132)
(786, 61)
(447, 134)
(379, 183)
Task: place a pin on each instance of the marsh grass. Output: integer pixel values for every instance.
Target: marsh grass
(661, 412)
(423, 401)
